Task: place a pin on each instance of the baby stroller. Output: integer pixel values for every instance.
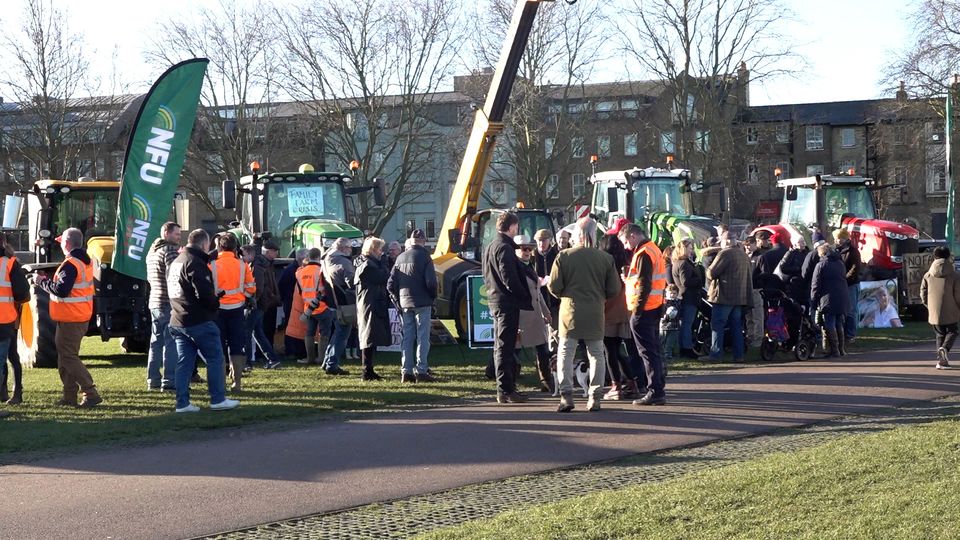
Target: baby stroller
(787, 327)
(702, 338)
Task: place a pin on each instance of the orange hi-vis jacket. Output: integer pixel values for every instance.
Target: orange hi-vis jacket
(233, 277)
(8, 309)
(310, 280)
(658, 282)
(78, 306)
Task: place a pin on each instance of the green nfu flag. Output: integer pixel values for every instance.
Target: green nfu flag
(155, 154)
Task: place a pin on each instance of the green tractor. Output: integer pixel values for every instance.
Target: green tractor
(658, 199)
(302, 209)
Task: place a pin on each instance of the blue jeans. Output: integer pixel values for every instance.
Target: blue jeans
(688, 314)
(416, 332)
(722, 317)
(853, 314)
(163, 350)
(202, 338)
(337, 345)
(258, 338)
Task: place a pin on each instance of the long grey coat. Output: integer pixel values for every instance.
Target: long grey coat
(940, 292)
(373, 317)
(533, 326)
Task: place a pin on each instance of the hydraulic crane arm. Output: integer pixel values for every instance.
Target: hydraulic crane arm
(487, 124)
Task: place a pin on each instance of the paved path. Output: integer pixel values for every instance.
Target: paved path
(194, 488)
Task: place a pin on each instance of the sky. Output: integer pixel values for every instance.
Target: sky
(846, 43)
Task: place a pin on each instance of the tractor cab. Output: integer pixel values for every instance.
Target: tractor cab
(296, 209)
(658, 199)
(482, 229)
(830, 202)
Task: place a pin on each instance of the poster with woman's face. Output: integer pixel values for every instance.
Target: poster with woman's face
(878, 304)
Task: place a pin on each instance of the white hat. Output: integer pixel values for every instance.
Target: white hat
(522, 240)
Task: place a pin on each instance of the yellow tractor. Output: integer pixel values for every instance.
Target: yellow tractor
(120, 301)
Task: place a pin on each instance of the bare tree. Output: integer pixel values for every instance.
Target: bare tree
(700, 51)
(236, 119)
(47, 72)
(368, 74)
(549, 113)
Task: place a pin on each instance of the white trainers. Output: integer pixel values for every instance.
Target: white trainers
(943, 362)
(189, 408)
(225, 405)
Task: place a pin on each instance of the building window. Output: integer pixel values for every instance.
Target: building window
(843, 167)
(814, 137)
(576, 147)
(667, 144)
(548, 147)
(899, 135)
(753, 173)
(19, 172)
(576, 108)
(605, 108)
(703, 140)
(690, 109)
(900, 175)
(935, 132)
(215, 195)
(813, 170)
(848, 138)
(783, 133)
(937, 179)
(431, 228)
(784, 167)
(630, 144)
(117, 158)
(498, 191)
(411, 226)
(603, 146)
(553, 186)
(579, 185)
(629, 107)
(753, 137)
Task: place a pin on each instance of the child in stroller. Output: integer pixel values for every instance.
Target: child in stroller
(787, 327)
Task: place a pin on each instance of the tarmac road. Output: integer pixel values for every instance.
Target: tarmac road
(242, 479)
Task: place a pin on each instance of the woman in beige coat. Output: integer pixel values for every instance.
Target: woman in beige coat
(940, 292)
(535, 323)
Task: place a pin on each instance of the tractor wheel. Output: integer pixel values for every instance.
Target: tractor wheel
(460, 312)
(35, 341)
(135, 345)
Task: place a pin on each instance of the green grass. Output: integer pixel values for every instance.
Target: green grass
(903, 483)
(294, 394)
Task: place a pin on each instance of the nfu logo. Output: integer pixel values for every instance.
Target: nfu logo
(138, 223)
(151, 172)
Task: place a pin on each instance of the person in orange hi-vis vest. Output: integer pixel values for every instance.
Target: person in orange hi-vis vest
(71, 307)
(14, 290)
(235, 286)
(316, 313)
(646, 282)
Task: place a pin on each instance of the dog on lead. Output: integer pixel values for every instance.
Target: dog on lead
(581, 374)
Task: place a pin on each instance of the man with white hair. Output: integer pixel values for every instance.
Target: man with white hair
(583, 278)
(71, 307)
(338, 272)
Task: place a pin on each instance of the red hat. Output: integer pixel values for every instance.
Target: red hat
(617, 225)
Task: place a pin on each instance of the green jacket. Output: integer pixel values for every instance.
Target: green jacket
(583, 278)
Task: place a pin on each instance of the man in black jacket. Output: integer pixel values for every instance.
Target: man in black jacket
(507, 294)
(852, 263)
(266, 298)
(412, 286)
(194, 305)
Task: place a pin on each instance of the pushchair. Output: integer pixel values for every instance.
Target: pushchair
(702, 338)
(787, 327)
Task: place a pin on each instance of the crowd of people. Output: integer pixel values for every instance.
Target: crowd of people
(612, 303)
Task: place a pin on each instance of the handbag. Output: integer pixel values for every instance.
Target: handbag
(346, 314)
